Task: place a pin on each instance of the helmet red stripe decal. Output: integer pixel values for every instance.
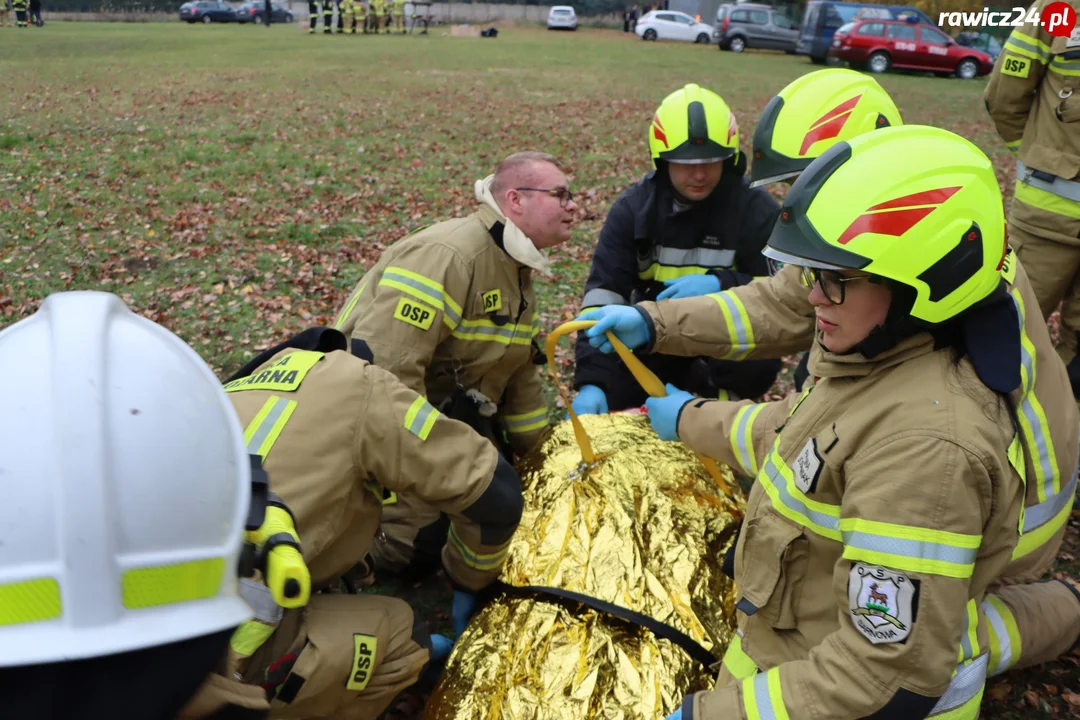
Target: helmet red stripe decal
(895, 217)
(658, 130)
(830, 124)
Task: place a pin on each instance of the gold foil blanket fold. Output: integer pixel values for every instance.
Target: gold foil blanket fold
(645, 528)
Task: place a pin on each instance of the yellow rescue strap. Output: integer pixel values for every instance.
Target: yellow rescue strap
(645, 377)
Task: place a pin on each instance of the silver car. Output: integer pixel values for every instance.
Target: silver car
(749, 25)
(562, 17)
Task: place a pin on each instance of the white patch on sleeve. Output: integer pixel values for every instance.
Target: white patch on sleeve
(881, 603)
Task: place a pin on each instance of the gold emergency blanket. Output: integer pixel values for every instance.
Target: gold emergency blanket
(646, 528)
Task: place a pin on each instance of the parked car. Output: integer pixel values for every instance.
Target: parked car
(671, 25)
(562, 17)
(981, 41)
(206, 11)
(883, 44)
(748, 25)
(254, 11)
(822, 18)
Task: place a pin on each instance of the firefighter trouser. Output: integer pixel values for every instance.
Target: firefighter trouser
(411, 538)
(354, 15)
(343, 656)
(313, 15)
(328, 16)
(399, 19)
(20, 9)
(373, 20)
(1030, 624)
(1044, 229)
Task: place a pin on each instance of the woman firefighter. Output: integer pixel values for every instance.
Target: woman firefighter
(889, 492)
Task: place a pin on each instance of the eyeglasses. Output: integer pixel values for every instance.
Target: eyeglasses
(564, 196)
(832, 283)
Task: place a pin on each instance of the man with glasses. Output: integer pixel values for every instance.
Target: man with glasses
(692, 227)
(451, 311)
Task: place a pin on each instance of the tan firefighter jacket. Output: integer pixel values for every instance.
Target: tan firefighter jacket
(1031, 97)
(446, 307)
(885, 504)
(337, 435)
(772, 317)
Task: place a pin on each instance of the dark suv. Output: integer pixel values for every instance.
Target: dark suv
(255, 12)
(748, 25)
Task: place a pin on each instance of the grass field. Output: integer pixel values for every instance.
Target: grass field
(233, 182)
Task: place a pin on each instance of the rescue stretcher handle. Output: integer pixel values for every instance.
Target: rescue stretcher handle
(645, 377)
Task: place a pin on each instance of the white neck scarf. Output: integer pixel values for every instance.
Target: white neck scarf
(517, 243)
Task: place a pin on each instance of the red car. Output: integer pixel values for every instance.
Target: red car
(882, 44)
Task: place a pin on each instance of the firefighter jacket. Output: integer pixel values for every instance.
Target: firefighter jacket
(887, 500)
(773, 317)
(1031, 98)
(649, 237)
(338, 436)
(447, 308)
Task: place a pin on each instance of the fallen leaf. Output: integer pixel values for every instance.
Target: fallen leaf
(1072, 698)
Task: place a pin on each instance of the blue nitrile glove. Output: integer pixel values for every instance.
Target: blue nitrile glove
(624, 321)
(462, 610)
(664, 412)
(677, 715)
(440, 647)
(590, 400)
(689, 286)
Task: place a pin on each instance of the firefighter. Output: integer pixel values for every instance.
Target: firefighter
(127, 491)
(355, 15)
(398, 8)
(689, 227)
(328, 16)
(772, 318)
(20, 8)
(341, 437)
(313, 15)
(919, 353)
(1030, 98)
(375, 14)
(451, 311)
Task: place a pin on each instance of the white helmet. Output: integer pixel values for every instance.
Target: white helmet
(124, 486)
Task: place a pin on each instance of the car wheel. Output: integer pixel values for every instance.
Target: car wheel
(258, 20)
(206, 20)
(649, 35)
(818, 60)
(878, 62)
(702, 39)
(967, 69)
(288, 18)
(737, 44)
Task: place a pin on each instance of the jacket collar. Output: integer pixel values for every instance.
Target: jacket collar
(827, 364)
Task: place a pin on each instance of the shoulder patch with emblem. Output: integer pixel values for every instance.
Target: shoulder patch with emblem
(415, 313)
(492, 300)
(808, 467)
(881, 603)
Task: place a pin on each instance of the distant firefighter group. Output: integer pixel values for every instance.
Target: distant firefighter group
(367, 16)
